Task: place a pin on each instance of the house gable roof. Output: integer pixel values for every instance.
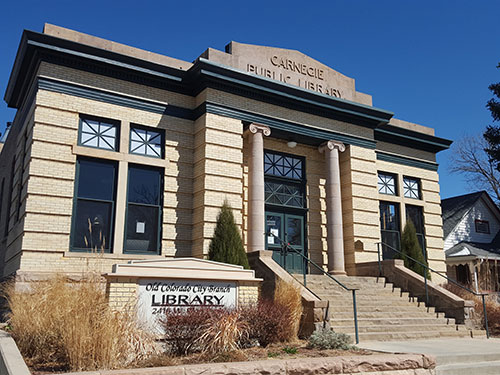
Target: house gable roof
(454, 209)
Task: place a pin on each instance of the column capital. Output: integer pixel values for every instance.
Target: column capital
(258, 128)
(331, 145)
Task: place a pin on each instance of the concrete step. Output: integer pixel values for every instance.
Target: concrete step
(462, 358)
(400, 328)
(382, 314)
(381, 308)
(427, 321)
(477, 368)
(417, 335)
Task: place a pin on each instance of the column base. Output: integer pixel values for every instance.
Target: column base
(333, 272)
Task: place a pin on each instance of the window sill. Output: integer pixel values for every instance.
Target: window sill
(76, 254)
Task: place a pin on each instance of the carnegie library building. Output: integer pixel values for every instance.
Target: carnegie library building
(132, 154)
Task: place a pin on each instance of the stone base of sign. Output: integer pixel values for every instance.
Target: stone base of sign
(124, 283)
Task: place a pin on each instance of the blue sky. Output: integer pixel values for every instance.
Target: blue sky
(429, 62)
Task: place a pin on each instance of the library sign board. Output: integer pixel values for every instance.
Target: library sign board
(156, 287)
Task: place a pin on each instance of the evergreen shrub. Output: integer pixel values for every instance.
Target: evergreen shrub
(410, 247)
(226, 245)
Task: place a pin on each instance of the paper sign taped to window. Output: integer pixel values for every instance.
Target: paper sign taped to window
(140, 227)
(271, 239)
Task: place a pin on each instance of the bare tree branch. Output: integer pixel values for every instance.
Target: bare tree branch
(470, 159)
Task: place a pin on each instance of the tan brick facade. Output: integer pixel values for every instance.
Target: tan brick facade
(206, 162)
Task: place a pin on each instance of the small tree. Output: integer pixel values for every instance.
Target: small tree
(411, 248)
(226, 245)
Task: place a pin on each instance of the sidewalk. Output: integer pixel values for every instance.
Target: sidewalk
(453, 356)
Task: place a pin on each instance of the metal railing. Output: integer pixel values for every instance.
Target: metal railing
(427, 269)
(287, 248)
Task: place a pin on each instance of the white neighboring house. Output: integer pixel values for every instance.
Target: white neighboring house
(471, 227)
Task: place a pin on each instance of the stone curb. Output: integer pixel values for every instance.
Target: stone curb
(11, 361)
(379, 363)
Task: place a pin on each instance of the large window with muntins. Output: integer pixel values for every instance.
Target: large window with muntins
(284, 183)
(387, 183)
(411, 187)
(390, 229)
(146, 142)
(144, 210)
(94, 205)
(98, 134)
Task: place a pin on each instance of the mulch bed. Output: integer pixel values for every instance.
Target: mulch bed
(293, 350)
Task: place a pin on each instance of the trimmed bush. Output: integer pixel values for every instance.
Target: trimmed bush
(327, 339)
(226, 245)
(411, 247)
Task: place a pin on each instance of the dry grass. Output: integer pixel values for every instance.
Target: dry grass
(492, 307)
(72, 325)
(289, 296)
(224, 332)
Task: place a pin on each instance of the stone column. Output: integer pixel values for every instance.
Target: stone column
(256, 198)
(335, 237)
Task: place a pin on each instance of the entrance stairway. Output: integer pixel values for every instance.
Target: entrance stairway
(384, 312)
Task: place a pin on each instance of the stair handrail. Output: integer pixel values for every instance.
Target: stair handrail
(286, 247)
(427, 268)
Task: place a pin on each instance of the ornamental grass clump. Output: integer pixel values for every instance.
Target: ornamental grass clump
(69, 325)
(287, 295)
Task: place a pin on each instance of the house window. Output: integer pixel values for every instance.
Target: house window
(482, 226)
(146, 142)
(411, 187)
(144, 210)
(415, 214)
(386, 183)
(98, 134)
(390, 229)
(94, 205)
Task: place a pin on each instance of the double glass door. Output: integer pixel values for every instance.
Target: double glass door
(283, 228)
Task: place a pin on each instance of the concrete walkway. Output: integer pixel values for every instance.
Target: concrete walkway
(453, 356)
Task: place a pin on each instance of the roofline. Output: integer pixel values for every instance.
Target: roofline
(35, 47)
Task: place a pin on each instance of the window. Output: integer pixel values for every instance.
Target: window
(482, 226)
(387, 183)
(416, 216)
(144, 203)
(98, 134)
(284, 182)
(94, 205)
(390, 229)
(281, 165)
(146, 142)
(411, 187)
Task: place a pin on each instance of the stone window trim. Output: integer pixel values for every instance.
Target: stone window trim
(482, 226)
(98, 132)
(146, 141)
(387, 183)
(411, 187)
